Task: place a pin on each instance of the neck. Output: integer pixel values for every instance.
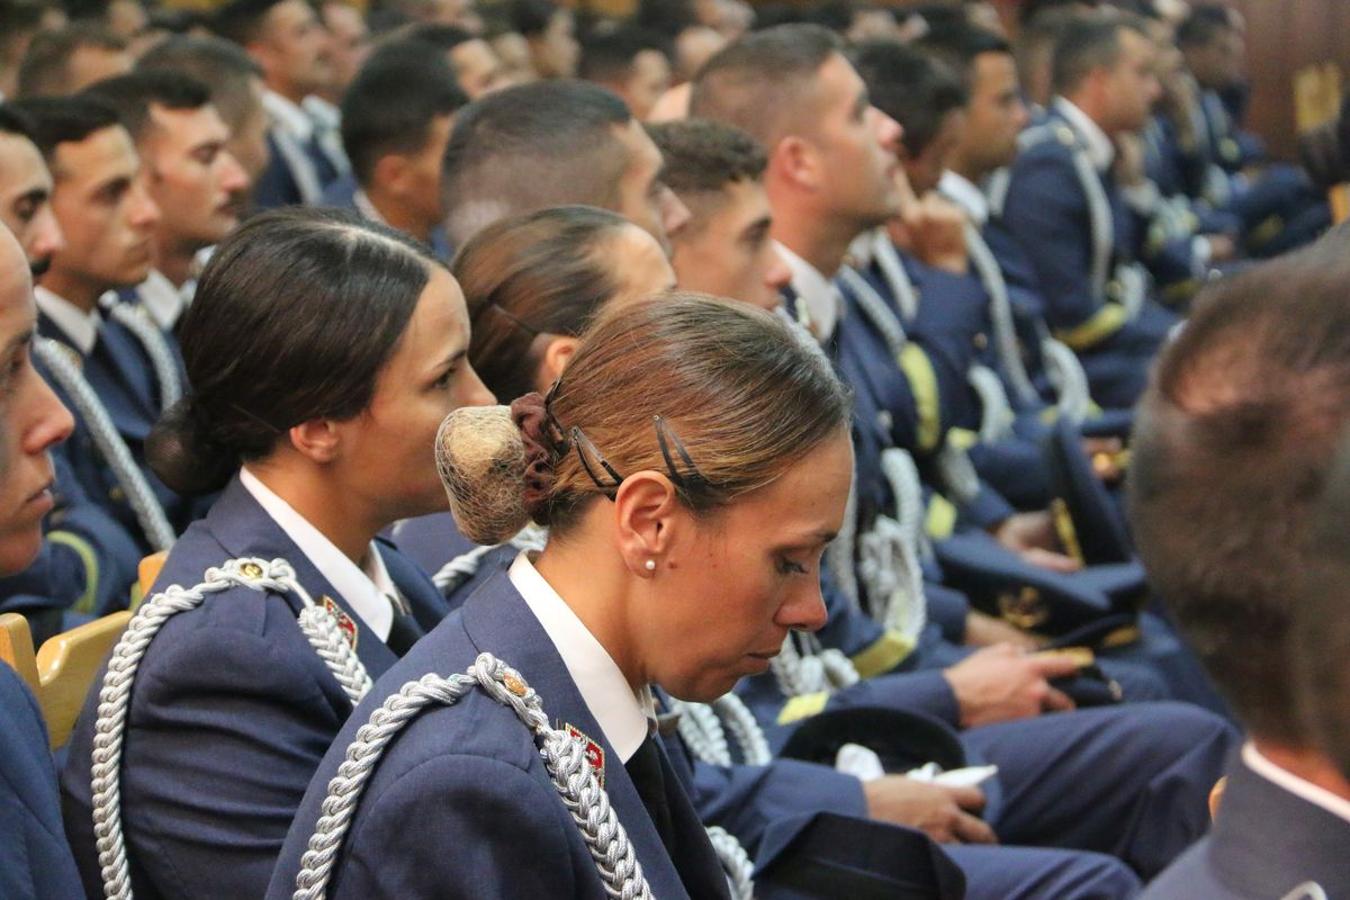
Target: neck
(821, 240)
(966, 168)
(77, 291)
(1306, 763)
(397, 215)
(287, 90)
(1093, 111)
(308, 490)
(600, 597)
(174, 260)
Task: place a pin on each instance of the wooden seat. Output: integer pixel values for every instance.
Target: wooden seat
(63, 670)
(149, 570)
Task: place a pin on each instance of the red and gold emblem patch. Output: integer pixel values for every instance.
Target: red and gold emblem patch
(595, 754)
(344, 621)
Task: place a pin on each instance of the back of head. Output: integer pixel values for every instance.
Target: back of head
(530, 17)
(19, 21)
(242, 21)
(960, 45)
(743, 396)
(223, 66)
(133, 95)
(608, 56)
(60, 120)
(1203, 26)
(541, 272)
(703, 157)
(916, 90)
(391, 104)
(1085, 43)
(529, 147)
(442, 37)
(294, 317)
(1232, 445)
(46, 72)
(763, 83)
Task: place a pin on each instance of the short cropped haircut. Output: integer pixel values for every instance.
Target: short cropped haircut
(241, 21)
(759, 84)
(45, 69)
(1232, 445)
(916, 90)
(1086, 44)
(390, 105)
(442, 37)
(224, 67)
(609, 56)
(960, 45)
(17, 19)
(65, 120)
(1203, 26)
(133, 95)
(548, 143)
(530, 17)
(14, 122)
(702, 156)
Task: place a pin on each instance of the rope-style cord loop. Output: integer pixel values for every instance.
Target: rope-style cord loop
(564, 758)
(735, 862)
(134, 318)
(149, 513)
(451, 576)
(114, 697)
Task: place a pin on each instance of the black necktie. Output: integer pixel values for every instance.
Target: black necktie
(648, 777)
(404, 630)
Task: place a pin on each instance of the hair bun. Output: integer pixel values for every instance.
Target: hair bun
(181, 453)
(482, 457)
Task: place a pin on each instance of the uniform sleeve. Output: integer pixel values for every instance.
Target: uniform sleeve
(483, 828)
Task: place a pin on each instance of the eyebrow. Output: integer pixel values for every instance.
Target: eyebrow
(18, 341)
(755, 228)
(451, 358)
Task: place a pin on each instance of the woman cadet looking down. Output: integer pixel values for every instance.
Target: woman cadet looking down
(680, 421)
(322, 354)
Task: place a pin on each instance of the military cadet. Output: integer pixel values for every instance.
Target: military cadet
(349, 46)
(1239, 430)
(1068, 214)
(286, 40)
(35, 860)
(59, 63)
(322, 352)
(551, 144)
(396, 121)
(550, 33)
(633, 64)
(751, 83)
(190, 175)
(618, 601)
(474, 62)
(88, 560)
(236, 87)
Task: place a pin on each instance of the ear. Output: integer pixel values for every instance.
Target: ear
(796, 160)
(261, 51)
(646, 521)
(557, 354)
(391, 172)
(317, 440)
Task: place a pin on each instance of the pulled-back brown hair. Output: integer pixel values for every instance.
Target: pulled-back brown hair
(537, 273)
(743, 394)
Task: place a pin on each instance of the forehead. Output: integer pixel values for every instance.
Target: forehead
(1134, 47)
(644, 158)
(16, 288)
(995, 72)
(188, 126)
(742, 203)
(289, 13)
(440, 319)
(837, 86)
(344, 19)
(105, 153)
(21, 166)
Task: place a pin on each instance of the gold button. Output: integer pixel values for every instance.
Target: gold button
(251, 570)
(515, 684)
(981, 340)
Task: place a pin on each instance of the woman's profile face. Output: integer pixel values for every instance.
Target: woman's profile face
(640, 267)
(389, 450)
(729, 591)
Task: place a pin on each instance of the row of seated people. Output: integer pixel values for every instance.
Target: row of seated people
(329, 497)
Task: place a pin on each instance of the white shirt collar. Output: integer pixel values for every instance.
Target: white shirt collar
(966, 194)
(361, 200)
(1099, 147)
(367, 588)
(817, 293)
(162, 300)
(321, 111)
(288, 116)
(1317, 796)
(624, 717)
(80, 326)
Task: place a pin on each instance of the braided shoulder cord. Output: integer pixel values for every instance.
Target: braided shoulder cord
(702, 732)
(736, 718)
(135, 319)
(811, 670)
(463, 567)
(882, 317)
(735, 862)
(1000, 315)
(1070, 381)
(563, 755)
(114, 697)
(996, 413)
(56, 359)
(897, 279)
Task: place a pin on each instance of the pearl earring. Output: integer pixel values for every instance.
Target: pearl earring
(651, 565)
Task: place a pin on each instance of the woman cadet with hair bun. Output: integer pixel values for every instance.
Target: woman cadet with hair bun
(322, 354)
(679, 421)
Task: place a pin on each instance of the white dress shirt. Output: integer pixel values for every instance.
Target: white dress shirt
(818, 294)
(80, 326)
(1099, 147)
(165, 302)
(625, 717)
(366, 588)
(1318, 796)
(292, 129)
(966, 194)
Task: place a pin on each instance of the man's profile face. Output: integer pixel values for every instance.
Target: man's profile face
(1132, 85)
(726, 250)
(191, 176)
(25, 201)
(995, 114)
(643, 198)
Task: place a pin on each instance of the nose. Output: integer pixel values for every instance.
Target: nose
(51, 422)
(144, 211)
(48, 238)
(804, 610)
(233, 178)
(674, 214)
(1022, 115)
(889, 131)
(475, 392)
(778, 275)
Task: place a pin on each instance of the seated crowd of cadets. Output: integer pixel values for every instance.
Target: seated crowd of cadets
(970, 252)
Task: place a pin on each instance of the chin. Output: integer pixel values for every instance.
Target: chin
(18, 549)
